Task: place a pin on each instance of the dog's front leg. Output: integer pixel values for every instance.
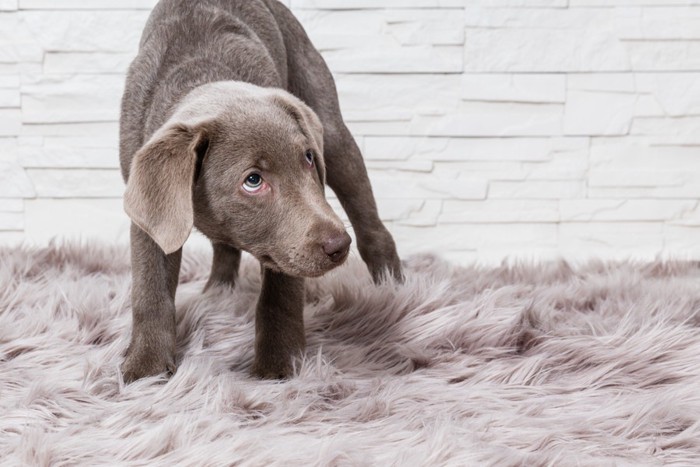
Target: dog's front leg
(154, 281)
(279, 325)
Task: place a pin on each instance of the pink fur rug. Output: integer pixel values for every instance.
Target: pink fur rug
(516, 365)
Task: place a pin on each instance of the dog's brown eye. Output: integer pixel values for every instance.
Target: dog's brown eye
(253, 182)
(310, 157)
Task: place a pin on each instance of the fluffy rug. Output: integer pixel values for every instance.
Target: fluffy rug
(516, 365)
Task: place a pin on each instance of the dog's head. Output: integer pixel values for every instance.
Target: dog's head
(245, 165)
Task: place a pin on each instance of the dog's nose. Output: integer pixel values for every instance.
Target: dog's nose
(337, 247)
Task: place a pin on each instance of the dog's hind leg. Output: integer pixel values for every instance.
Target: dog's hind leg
(311, 81)
(347, 176)
(224, 266)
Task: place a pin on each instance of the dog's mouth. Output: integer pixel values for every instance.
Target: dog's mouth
(294, 268)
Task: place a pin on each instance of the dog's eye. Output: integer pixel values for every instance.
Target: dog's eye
(310, 157)
(253, 183)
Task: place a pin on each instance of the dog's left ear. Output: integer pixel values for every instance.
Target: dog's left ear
(159, 190)
(309, 123)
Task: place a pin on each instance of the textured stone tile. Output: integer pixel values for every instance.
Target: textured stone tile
(405, 185)
(488, 50)
(9, 98)
(14, 182)
(407, 59)
(681, 191)
(536, 189)
(470, 149)
(609, 104)
(689, 217)
(611, 240)
(11, 221)
(87, 5)
(12, 238)
(613, 3)
(397, 209)
(668, 131)
(17, 43)
(11, 214)
(106, 130)
(88, 140)
(391, 41)
(413, 165)
(12, 205)
(396, 97)
(8, 5)
(368, 4)
(493, 119)
(439, 27)
(546, 40)
(543, 88)
(664, 55)
(511, 237)
(10, 122)
(77, 219)
(639, 178)
(639, 154)
(349, 29)
(479, 170)
(677, 94)
(680, 241)
(519, 3)
(9, 81)
(599, 113)
(361, 128)
(629, 103)
(87, 62)
(77, 183)
(570, 164)
(498, 211)
(7, 69)
(624, 83)
(633, 167)
(66, 156)
(382, 28)
(575, 21)
(623, 210)
(661, 23)
(425, 216)
(74, 98)
(75, 30)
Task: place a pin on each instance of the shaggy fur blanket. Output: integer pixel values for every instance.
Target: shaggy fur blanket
(515, 365)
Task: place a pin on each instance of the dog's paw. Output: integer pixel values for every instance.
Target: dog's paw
(272, 370)
(379, 253)
(389, 267)
(143, 360)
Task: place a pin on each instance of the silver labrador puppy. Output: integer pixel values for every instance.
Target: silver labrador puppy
(230, 123)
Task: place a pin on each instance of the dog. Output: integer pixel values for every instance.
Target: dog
(230, 123)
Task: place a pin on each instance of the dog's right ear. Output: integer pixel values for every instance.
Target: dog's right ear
(159, 189)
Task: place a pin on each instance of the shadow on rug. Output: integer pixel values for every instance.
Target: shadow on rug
(520, 365)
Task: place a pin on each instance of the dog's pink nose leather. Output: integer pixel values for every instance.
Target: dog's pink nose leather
(337, 247)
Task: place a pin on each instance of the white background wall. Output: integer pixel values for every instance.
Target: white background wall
(530, 128)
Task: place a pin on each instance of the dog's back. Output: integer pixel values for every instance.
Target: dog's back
(186, 44)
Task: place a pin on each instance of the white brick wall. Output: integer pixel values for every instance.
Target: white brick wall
(492, 128)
